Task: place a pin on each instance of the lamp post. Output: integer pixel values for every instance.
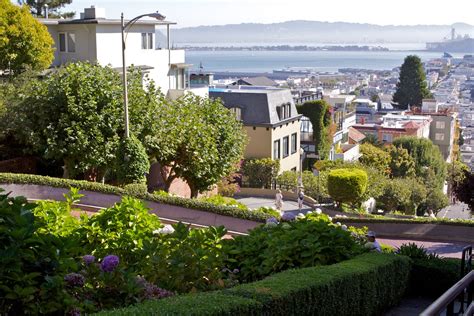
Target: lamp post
(300, 178)
(124, 26)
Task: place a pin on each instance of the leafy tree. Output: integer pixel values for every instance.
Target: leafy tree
(463, 190)
(456, 173)
(435, 201)
(24, 42)
(373, 140)
(347, 185)
(401, 163)
(411, 86)
(74, 115)
(375, 157)
(38, 6)
(426, 156)
(319, 115)
(396, 195)
(417, 196)
(198, 140)
(131, 161)
(288, 180)
(260, 172)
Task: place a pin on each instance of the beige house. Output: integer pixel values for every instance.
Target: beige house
(270, 120)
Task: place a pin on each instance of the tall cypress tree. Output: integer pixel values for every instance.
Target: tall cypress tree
(411, 86)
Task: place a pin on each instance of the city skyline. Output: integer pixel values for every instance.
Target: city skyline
(189, 13)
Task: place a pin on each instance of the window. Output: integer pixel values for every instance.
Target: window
(286, 147)
(439, 136)
(284, 111)
(276, 149)
(387, 138)
(294, 143)
(62, 42)
(147, 40)
(237, 112)
(67, 42)
(440, 125)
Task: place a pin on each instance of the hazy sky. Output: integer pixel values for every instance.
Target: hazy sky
(212, 12)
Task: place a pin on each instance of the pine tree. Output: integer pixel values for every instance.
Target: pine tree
(411, 86)
(38, 7)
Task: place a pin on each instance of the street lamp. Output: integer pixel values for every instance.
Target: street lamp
(155, 15)
(300, 178)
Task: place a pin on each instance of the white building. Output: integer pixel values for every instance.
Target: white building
(95, 38)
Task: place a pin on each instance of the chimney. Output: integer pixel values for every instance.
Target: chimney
(93, 13)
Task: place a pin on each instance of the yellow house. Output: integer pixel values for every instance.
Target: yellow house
(270, 119)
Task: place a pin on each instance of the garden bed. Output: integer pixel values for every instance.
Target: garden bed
(366, 285)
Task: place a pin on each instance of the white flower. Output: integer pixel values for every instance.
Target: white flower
(300, 216)
(330, 218)
(338, 224)
(318, 211)
(167, 229)
(309, 212)
(344, 227)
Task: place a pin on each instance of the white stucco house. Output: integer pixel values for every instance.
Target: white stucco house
(95, 38)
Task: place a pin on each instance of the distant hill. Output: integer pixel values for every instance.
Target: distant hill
(307, 32)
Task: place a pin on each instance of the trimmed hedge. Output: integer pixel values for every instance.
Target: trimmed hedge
(419, 220)
(17, 178)
(202, 304)
(347, 185)
(365, 285)
(432, 277)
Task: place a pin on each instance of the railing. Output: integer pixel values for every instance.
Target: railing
(460, 295)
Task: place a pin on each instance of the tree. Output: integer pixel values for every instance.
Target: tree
(401, 163)
(463, 190)
(396, 195)
(418, 196)
(456, 173)
(131, 161)
(435, 201)
(24, 42)
(38, 7)
(375, 157)
(411, 86)
(426, 156)
(318, 112)
(196, 139)
(347, 185)
(75, 115)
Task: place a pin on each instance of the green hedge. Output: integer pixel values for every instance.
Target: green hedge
(211, 303)
(365, 285)
(17, 178)
(419, 220)
(432, 277)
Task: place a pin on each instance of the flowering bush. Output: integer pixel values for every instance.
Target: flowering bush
(303, 243)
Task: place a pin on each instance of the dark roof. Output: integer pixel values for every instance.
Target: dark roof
(101, 21)
(259, 107)
(257, 81)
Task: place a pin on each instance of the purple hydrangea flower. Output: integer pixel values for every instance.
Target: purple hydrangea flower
(88, 259)
(288, 217)
(109, 263)
(74, 312)
(74, 279)
(154, 292)
(272, 220)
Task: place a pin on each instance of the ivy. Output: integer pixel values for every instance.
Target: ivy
(319, 114)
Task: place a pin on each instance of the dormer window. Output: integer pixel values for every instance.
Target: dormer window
(284, 111)
(237, 112)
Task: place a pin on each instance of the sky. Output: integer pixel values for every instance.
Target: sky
(217, 12)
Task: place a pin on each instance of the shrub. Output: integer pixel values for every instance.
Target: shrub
(260, 173)
(32, 264)
(201, 304)
(269, 211)
(431, 275)
(132, 162)
(288, 180)
(347, 185)
(184, 259)
(224, 201)
(366, 285)
(295, 244)
(122, 230)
